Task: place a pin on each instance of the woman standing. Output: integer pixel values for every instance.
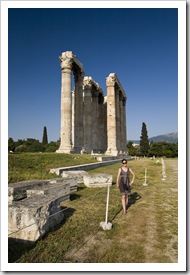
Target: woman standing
(124, 183)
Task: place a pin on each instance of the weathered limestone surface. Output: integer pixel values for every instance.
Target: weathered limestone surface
(77, 175)
(116, 128)
(98, 180)
(50, 189)
(33, 215)
(17, 191)
(35, 208)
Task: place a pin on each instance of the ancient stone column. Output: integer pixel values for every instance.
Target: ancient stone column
(78, 112)
(125, 126)
(73, 116)
(87, 84)
(95, 115)
(105, 144)
(121, 121)
(118, 121)
(66, 117)
(101, 118)
(111, 117)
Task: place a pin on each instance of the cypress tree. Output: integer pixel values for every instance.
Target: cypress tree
(45, 138)
(144, 142)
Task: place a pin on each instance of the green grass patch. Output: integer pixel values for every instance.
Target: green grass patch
(148, 233)
(29, 166)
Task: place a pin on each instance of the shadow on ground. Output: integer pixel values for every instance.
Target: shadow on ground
(17, 247)
(132, 200)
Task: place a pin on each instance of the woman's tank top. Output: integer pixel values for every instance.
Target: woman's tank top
(124, 177)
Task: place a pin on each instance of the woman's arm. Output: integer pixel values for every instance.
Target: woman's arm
(133, 174)
(118, 177)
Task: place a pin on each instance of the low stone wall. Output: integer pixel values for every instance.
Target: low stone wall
(87, 167)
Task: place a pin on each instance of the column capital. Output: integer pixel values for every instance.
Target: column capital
(110, 81)
(66, 62)
(87, 82)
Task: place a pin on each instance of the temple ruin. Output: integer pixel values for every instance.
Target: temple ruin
(90, 121)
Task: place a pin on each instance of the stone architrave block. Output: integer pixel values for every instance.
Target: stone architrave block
(56, 189)
(72, 181)
(35, 216)
(98, 180)
(17, 191)
(77, 175)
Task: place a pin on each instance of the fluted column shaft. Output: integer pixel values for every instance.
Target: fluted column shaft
(118, 129)
(111, 118)
(121, 123)
(87, 117)
(78, 116)
(66, 118)
(101, 123)
(95, 115)
(124, 128)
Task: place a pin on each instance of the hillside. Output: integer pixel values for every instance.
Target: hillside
(170, 137)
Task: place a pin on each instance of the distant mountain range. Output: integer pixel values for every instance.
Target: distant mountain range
(171, 137)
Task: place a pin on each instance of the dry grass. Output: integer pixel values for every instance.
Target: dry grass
(147, 234)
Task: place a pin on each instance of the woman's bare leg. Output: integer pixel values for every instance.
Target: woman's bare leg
(126, 200)
(123, 199)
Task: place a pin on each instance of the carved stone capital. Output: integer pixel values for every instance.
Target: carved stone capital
(110, 81)
(66, 62)
(87, 82)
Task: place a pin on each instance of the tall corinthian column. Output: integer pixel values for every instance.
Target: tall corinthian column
(125, 126)
(78, 112)
(87, 114)
(66, 116)
(111, 117)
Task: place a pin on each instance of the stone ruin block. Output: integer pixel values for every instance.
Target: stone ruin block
(17, 191)
(35, 216)
(51, 189)
(77, 175)
(71, 180)
(98, 180)
(35, 206)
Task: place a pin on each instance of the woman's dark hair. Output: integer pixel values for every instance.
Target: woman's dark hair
(124, 160)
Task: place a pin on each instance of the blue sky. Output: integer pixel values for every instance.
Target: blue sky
(140, 45)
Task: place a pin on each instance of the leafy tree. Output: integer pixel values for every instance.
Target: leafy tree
(35, 147)
(133, 151)
(30, 141)
(144, 142)
(157, 149)
(45, 138)
(11, 145)
(160, 149)
(51, 147)
(21, 149)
